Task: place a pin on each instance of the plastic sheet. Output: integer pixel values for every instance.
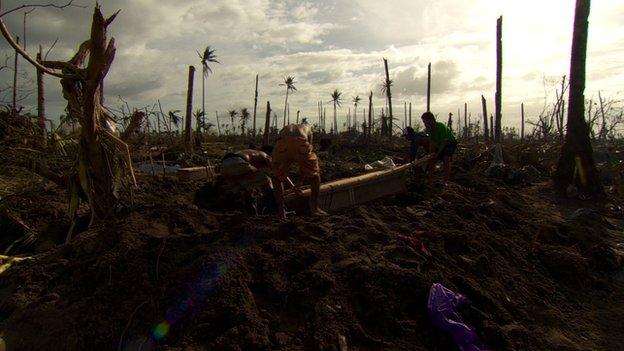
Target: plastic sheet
(441, 308)
(384, 163)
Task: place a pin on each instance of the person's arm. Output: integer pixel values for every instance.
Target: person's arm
(309, 130)
(441, 148)
(296, 187)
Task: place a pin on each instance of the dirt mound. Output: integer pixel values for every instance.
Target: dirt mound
(172, 275)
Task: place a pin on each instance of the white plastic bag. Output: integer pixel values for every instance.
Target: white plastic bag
(384, 163)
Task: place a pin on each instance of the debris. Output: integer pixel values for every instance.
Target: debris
(342, 343)
(584, 212)
(384, 163)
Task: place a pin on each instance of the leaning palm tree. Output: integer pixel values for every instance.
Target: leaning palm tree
(233, 114)
(206, 58)
(289, 83)
(244, 118)
(356, 101)
(337, 100)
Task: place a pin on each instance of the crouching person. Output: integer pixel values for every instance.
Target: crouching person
(442, 144)
(248, 173)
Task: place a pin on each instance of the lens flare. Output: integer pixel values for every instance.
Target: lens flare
(161, 330)
(193, 300)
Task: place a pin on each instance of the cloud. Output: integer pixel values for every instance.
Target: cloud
(331, 45)
(413, 80)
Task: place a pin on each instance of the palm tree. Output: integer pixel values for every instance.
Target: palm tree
(289, 82)
(337, 100)
(356, 101)
(199, 120)
(385, 89)
(233, 114)
(175, 118)
(206, 58)
(244, 118)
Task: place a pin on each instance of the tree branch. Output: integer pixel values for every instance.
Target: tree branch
(9, 38)
(69, 3)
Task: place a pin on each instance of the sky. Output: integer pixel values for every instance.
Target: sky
(329, 45)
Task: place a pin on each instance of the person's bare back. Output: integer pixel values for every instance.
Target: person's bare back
(256, 158)
(296, 130)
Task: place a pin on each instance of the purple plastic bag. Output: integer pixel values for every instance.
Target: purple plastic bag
(441, 309)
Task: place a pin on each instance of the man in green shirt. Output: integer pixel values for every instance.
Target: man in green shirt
(442, 144)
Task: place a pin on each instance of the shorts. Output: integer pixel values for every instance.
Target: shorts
(243, 176)
(448, 151)
(289, 150)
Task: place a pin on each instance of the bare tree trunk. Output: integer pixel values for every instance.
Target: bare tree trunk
(429, 87)
(410, 114)
(285, 107)
(486, 132)
(370, 113)
(335, 131)
(41, 102)
(14, 105)
(499, 73)
(492, 127)
(389, 96)
(203, 96)
(459, 129)
(522, 122)
(218, 123)
(576, 164)
(297, 116)
(405, 114)
(465, 120)
(255, 106)
(267, 124)
(188, 133)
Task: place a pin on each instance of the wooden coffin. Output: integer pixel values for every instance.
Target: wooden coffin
(348, 192)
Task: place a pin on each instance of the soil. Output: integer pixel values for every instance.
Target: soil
(175, 272)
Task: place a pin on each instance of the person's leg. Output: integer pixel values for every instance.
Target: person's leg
(315, 186)
(279, 197)
(448, 163)
(431, 163)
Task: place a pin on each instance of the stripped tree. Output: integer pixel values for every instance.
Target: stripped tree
(386, 89)
(254, 111)
(576, 166)
(486, 132)
(356, 101)
(499, 72)
(189, 111)
(102, 156)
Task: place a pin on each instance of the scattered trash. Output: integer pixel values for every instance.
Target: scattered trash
(441, 308)
(414, 240)
(384, 163)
